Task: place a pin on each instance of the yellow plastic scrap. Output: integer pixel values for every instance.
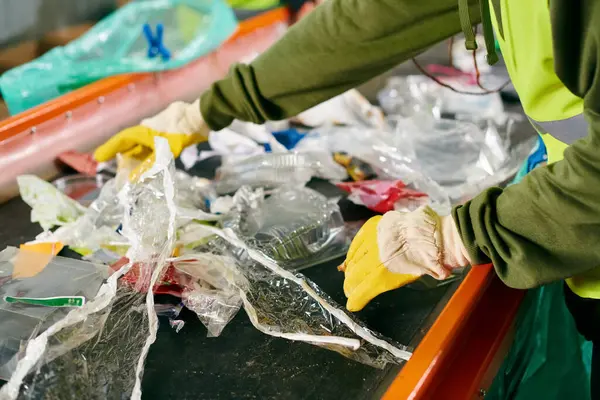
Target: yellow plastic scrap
(33, 258)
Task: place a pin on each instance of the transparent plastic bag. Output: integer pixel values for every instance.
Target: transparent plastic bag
(288, 305)
(49, 206)
(99, 350)
(25, 274)
(418, 95)
(463, 156)
(295, 227)
(378, 148)
(212, 296)
(277, 169)
(117, 45)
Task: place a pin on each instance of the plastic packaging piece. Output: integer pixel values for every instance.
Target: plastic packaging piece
(384, 196)
(97, 228)
(116, 45)
(378, 148)
(261, 134)
(420, 96)
(212, 295)
(349, 108)
(117, 317)
(193, 192)
(170, 311)
(83, 188)
(277, 169)
(25, 274)
(288, 305)
(83, 163)
(176, 324)
(48, 205)
(295, 227)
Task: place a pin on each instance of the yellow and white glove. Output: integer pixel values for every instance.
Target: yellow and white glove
(180, 123)
(396, 249)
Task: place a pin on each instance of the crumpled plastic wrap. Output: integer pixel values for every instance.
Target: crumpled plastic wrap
(379, 149)
(49, 206)
(416, 95)
(277, 169)
(296, 227)
(288, 305)
(98, 350)
(384, 196)
(36, 275)
(462, 156)
(213, 295)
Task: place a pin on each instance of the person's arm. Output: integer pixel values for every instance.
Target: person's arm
(547, 227)
(339, 45)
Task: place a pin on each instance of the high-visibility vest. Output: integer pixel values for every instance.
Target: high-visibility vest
(253, 4)
(523, 32)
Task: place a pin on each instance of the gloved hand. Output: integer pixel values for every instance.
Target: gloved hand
(393, 250)
(180, 123)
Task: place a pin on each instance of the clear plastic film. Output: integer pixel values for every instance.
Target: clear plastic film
(272, 170)
(285, 304)
(420, 97)
(379, 149)
(296, 227)
(49, 206)
(96, 229)
(98, 350)
(212, 293)
(30, 275)
(462, 156)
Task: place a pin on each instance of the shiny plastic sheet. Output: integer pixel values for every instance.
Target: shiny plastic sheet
(277, 169)
(389, 159)
(35, 275)
(295, 227)
(288, 305)
(462, 156)
(420, 96)
(99, 350)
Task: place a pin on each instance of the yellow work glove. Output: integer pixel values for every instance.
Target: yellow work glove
(394, 250)
(180, 123)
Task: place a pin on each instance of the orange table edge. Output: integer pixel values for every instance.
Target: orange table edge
(462, 351)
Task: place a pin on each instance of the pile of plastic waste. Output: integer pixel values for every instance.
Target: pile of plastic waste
(83, 328)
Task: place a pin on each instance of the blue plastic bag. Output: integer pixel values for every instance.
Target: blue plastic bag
(117, 45)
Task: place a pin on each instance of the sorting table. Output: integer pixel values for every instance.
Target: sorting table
(460, 331)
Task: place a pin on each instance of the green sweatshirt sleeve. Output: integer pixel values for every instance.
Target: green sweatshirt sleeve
(339, 45)
(546, 228)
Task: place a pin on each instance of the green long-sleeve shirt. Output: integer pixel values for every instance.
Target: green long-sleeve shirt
(540, 230)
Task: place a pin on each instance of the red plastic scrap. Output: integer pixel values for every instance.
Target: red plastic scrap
(380, 196)
(172, 282)
(83, 163)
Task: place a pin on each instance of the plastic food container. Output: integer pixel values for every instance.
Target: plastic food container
(85, 189)
(296, 227)
(273, 170)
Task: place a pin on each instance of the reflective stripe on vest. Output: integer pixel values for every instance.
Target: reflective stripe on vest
(566, 130)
